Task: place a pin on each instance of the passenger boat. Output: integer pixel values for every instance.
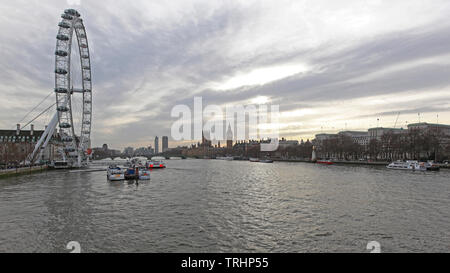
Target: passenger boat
(144, 173)
(412, 166)
(431, 166)
(59, 165)
(229, 158)
(266, 161)
(156, 164)
(326, 162)
(115, 173)
(130, 174)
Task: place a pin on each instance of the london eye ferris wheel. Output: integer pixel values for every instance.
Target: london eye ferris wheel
(73, 103)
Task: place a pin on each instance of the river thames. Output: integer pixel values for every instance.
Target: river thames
(229, 206)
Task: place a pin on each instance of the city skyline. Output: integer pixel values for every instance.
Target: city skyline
(231, 141)
(329, 66)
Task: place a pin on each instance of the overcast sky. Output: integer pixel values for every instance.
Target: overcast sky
(330, 65)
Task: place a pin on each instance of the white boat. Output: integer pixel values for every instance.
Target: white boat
(409, 165)
(139, 160)
(156, 164)
(144, 173)
(59, 165)
(229, 158)
(266, 161)
(115, 173)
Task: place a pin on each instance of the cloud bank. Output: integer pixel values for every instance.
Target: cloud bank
(330, 65)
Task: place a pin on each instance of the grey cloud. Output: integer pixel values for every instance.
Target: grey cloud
(180, 59)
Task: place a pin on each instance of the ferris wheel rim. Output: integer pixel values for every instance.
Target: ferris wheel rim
(70, 26)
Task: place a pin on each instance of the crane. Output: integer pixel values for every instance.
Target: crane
(398, 115)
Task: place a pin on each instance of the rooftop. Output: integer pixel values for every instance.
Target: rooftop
(428, 124)
(21, 133)
(383, 128)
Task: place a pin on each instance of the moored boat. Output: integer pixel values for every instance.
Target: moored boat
(144, 173)
(156, 164)
(115, 173)
(266, 161)
(432, 166)
(59, 165)
(131, 174)
(254, 159)
(413, 166)
(325, 162)
(228, 158)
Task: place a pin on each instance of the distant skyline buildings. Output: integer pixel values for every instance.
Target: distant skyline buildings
(165, 143)
(156, 145)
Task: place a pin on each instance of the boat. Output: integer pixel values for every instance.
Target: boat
(432, 166)
(59, 165)
(138, 161)
(115, 173)
(266, 161)
(156, 164)
(254, 159)
(413, 166)
(228, 158)
(326, 162)
(130, 174)
(144, 173)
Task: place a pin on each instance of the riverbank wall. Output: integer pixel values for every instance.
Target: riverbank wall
(21, 171)
(377, 163)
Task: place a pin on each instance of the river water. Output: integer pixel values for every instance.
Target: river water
(229, 206)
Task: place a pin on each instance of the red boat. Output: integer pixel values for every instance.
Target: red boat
(326, 162)
(156, 165)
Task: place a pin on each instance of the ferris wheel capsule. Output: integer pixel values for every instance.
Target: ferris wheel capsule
(64, 24)
(60, 71)
(66, 16)
(72, 12)
(62, 108)
(62, 37)
(61, 90)
(61, 53)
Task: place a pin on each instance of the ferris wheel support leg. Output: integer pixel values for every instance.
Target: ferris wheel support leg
(45, 138)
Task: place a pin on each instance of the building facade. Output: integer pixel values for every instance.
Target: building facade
(377, 133)
(156, 145)
(438, 129)
(16, 145)
(359, 137)
(165, 143)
